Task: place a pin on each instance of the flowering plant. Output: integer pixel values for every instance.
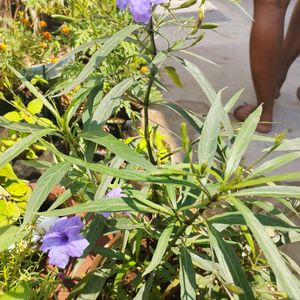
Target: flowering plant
(192, 232)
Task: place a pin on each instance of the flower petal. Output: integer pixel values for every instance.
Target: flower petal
(59, 225)
(59, 256)
(115, 193)
(141, 10)
(77, 246)
(51, 240)
(122, 4)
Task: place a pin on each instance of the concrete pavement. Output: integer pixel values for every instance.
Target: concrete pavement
(228, 47)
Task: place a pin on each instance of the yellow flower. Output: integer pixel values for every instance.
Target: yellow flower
(3, 46)
(65, 29)
(53, 59)
(144, 70)
(43, 45)
(46, 35)
(43, 24)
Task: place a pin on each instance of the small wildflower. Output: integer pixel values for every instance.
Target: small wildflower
(46, 35)
(140, 10)
(64, 241)
(43, 45)
(26, 21)
(43, 24)
(144, 70)
(65, 29)
(53, 60)
(3, 46)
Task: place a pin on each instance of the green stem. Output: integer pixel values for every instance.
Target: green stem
(147, 96)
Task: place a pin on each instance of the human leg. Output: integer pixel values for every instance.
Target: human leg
(291, 45)
(266, 56)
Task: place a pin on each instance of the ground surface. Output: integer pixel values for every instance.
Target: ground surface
(229, 49)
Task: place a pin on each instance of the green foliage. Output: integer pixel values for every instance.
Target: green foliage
(200, 229)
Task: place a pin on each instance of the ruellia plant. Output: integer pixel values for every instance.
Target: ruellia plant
(207, 228)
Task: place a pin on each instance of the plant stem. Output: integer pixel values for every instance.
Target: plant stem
(147, 96)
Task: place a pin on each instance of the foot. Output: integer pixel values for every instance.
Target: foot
(242, 112)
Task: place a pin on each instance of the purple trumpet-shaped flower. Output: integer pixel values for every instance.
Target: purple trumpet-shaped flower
(64, 241)
(141, 10)
(114, 193)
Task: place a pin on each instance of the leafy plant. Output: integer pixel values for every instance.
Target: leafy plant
(196, 229)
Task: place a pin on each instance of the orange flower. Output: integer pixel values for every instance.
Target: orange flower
(26, 22)
(144, 70)
(43, 45)
(65, 29)
(43, 24)
(3, 46)
(46, 35)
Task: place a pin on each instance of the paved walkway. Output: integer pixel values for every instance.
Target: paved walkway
(229, 49)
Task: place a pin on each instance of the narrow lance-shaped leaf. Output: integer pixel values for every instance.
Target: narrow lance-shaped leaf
(100, 55)
(160, 249)
(230, 263)
(207, 89)
(209, 137)
(20, 146)
(124, 174)
(117, 147)
(101, 205)
(45, 184)
(105, 109)
(241, 142)
(286, 280)
(187, 276)
(36, 93)
(19, 126)
(274, 164)
(270, 191)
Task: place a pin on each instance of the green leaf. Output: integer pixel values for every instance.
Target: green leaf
(289, 145)
(160, 249)
(241, 142)
(274, 164)
(22, 145)
(101, 205)
(144, 291)
(117, 147)
(199, 57)
(230, 263)
(231, 102)
(209, 136)
(19, 126)
(126, 174)
(45, 184)
(207, 89)
(110, 102)
(36, 93)
(99, 56)
(286, 280)
(187, 276)
(35, 106)
(236, 218)
(188, 116)
(267, 179)
(21, 292)
(10, 235)
(270, 191)
(173, 75)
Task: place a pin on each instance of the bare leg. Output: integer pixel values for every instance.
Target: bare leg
(266, 56)
(291, 46)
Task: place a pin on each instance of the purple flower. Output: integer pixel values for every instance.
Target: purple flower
(114, 193)
(140, 9)
(64, 240)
